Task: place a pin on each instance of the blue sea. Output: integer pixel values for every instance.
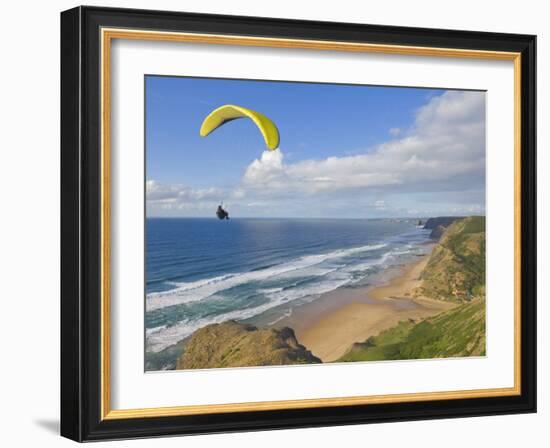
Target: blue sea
(203, 271)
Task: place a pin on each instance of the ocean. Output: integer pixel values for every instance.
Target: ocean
(202, 271)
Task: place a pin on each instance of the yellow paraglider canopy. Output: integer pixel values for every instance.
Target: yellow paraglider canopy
(229, 112)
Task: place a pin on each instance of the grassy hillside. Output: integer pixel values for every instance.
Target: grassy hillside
(232, 344)
(456, 270)
(455, 333)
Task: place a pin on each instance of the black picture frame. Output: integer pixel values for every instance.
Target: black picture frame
(81, 224)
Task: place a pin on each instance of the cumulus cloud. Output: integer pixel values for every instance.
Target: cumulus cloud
(169, 196)
(269, 170)
(445, 144)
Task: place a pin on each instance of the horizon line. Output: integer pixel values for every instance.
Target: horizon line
(318, 217)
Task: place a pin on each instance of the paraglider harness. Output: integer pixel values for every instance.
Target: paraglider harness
(221, 213)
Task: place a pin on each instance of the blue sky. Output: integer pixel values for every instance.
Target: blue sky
(370, 144)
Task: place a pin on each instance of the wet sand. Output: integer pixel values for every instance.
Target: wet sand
(331, 324)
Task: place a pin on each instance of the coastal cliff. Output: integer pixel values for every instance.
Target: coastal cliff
(456, 270)
(232, 344)
(455, 273)
(437, 233)
(439, 225)
(444, 221)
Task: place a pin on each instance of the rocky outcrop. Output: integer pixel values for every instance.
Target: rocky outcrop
(444, 221)
(437, 233)
(456, 269)
(233, 344)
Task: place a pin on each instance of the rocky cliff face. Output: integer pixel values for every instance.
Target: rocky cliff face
(456, 270)
(437, 233)
(444, 221)
(232, 344)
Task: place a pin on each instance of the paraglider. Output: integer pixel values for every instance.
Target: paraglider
(218, 117)
(229, 112)
(221, 213)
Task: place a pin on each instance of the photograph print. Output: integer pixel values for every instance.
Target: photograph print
(292, 223)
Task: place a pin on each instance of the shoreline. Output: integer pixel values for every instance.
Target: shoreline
(330, 325)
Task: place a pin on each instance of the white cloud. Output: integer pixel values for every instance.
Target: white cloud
(446, 145)
(394, 132)
(268, 170)
(168, 196)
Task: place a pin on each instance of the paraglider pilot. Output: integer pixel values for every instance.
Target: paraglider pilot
(221, 213)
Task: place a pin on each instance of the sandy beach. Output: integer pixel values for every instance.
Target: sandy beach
(331, 324)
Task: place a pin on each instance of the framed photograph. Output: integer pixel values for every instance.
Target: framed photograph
(273, 223)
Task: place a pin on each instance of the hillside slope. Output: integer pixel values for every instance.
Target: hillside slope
(232, 344)
(456, 270)
(443, 221)
(456, 333)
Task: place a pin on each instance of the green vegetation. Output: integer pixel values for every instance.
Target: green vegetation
(455, 333)
(456, 270)
(232, 344)
(384, 346)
